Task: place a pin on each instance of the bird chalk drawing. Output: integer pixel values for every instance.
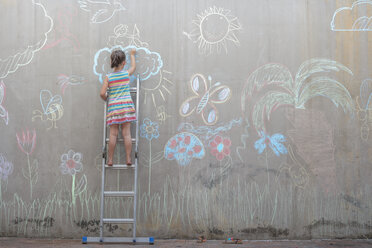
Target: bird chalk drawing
(64, 81)
(214, 29)
(101, 11)
(204, 99)
(3, 112)
(9, 63)
(358, 17)
(52, 109)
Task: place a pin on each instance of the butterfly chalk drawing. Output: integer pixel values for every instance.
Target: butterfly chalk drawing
(205, 98)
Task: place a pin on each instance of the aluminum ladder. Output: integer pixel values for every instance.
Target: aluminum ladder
(134, 239)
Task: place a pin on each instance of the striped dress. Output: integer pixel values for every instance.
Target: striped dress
(120, 104)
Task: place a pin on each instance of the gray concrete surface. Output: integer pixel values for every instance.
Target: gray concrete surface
(255, 118)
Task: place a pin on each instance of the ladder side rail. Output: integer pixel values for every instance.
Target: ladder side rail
(136, 162)
(104, 155)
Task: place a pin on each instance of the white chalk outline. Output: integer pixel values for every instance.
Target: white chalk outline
(12, 63)
(355, 4)
(87, 5)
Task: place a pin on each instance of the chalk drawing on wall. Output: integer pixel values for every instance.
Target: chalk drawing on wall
(150, 131)
(26, 143)
(61, 33)
(52, 109)
(71, 164)
(243, 139)
(364, 108)
(312, 136)
(358, 17)
(123, 37)
(213, 29)
(161, 114)
(274, 142)
(295, 170)
(204, 100)
(3, 112)
(220, 147)
(207, 132)
(154, 79)
(6, 168)
(275, 86)
(183, 147)
(64, 81)
(101, 11)
(11, 63)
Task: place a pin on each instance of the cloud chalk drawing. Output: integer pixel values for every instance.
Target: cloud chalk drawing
(11, 63)
(360, 14)
(148, 63)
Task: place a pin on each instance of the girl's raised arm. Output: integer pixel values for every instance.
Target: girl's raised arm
(132, 62)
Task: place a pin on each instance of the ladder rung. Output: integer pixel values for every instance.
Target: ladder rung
(133, 90)
(120, 166)
(118, 193)
(121, 140)
(118, 221)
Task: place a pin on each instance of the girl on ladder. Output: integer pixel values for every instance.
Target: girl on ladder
(120, 110)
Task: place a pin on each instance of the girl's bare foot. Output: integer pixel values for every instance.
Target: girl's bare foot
(110, 163)
(129, 163)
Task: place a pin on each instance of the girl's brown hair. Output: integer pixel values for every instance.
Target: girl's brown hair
(117, 57)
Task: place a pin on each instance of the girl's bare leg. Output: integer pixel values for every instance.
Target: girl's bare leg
(125, 129)
(114, 130)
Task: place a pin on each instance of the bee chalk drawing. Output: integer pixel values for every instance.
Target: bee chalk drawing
(52, 109)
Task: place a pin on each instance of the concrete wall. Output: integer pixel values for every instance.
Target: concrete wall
(255, 117)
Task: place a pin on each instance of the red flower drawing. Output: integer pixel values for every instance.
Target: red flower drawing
(26, 142)
(220, 147)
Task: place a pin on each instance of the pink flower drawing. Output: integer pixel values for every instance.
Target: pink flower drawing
(220, 147)
(27, 141)
(70, 162)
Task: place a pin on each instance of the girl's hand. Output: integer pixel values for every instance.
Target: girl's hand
(133, 51)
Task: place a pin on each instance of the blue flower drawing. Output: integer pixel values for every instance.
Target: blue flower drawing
(149, 129)
(274, 142)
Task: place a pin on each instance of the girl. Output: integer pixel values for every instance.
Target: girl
(120, 109)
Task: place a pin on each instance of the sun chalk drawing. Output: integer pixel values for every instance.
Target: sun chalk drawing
(123, 37)
(3, 112)
(11, 63)
(275, 86)
(207, 132)
(148, 63)
(274, 142)
(213, 29)
(364, 109)
(64, 81)
(183, 147)
(52, 109)
(101, 11)
(220, 147)
(26, 143)
(204, 99)
(358, 17)
(61, 33)
(71, 164)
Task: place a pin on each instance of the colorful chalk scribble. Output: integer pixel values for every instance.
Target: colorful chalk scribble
(65, 81)
(276, 87)
(52, 109)
(183, 147)
(274, 142)
(205, 98)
